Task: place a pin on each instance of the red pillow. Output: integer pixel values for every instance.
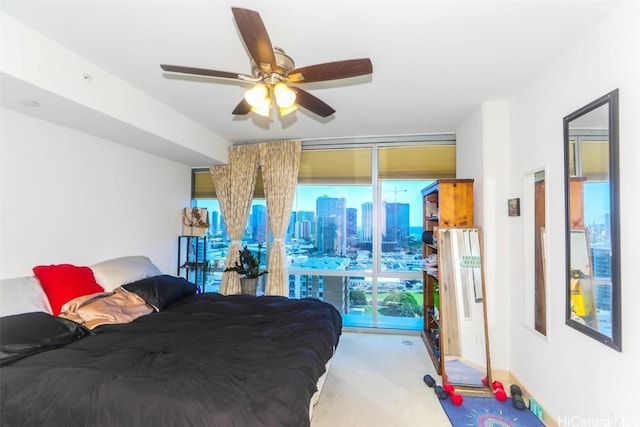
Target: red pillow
(64, 282)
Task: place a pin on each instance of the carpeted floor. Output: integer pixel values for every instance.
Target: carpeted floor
(375, 380)
(488, 411)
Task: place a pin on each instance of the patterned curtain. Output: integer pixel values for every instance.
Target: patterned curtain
(280, 163)
(235, 184)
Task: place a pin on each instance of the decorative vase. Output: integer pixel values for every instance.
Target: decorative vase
(249, 285)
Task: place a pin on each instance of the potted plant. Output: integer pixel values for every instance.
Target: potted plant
(248, 267)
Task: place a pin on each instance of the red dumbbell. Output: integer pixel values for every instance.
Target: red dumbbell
(498, 391)
(456, 398)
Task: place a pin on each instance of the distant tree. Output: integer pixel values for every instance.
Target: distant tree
(401, 304)
(357, 298)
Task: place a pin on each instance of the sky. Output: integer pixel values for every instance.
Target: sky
(597, 202)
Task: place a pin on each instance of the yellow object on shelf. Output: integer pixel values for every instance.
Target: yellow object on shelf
(581, 301)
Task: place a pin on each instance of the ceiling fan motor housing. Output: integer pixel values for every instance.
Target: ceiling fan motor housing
(284, 64)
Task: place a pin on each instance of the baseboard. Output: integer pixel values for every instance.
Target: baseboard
(364, 330)
(506, 377)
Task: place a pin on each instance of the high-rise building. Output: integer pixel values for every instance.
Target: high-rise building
(223, 229)
(396, 224)
(367, 221)
(305, 228)
(327, 240)
(601, 256)
(291, 228)
(352, 222)
(214, 222)
(332, 225)
(259, 223)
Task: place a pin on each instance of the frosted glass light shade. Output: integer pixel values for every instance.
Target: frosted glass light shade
(285, 111)
(285, 97)
(265, 109)
(257, 96)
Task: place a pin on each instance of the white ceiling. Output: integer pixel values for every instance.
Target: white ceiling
(434, 62)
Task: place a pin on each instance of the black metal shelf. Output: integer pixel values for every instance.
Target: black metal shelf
(192, 259)
(193, 265)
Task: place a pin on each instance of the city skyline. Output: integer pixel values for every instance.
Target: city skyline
(391, 191)
(406, 191)
(596, 195)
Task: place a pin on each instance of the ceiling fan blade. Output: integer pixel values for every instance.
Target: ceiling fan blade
(255, 37)
(205, 72)
(242, 108)
(331, 71)
(311, 103)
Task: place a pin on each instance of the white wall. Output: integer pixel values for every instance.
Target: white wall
(68, 197)
(578, 380)
(570, 373)
(114, 107)
(482, 146)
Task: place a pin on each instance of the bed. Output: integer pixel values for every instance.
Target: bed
(194, 360)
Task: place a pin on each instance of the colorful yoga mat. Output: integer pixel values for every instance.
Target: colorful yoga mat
(488, 412)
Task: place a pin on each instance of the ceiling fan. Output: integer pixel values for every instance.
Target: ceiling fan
(273, 72)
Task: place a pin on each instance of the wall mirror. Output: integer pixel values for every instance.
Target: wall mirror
(465, 337)
(592, 220)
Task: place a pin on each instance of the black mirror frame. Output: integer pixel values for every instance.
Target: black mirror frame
(615, 341)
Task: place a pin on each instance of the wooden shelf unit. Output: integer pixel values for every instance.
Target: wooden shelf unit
(445, 203)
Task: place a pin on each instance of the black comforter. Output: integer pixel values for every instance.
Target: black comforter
(207, 360)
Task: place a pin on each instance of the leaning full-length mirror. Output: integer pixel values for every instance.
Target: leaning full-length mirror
(540, 252)
(465, 340)
(593, 225)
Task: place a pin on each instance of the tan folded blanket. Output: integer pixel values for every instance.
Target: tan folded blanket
(103, 308)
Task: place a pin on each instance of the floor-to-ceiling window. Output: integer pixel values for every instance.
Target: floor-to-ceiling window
(354, 236)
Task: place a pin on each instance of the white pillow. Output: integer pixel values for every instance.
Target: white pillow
(22, 295)
(116, 272)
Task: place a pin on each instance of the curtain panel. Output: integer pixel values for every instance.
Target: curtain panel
(234, 185)
(280, 162)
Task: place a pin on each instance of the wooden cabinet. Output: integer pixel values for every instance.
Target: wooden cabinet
(540, 288)
(576, 203)
(446, 203)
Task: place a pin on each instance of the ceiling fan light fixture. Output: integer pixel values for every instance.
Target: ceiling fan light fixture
(290, 109)
(265, 109)
(258, 96)
(285, 97)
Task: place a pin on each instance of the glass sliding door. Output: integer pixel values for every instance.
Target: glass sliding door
(399, 279)
(401, 173)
